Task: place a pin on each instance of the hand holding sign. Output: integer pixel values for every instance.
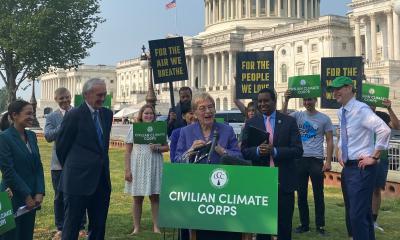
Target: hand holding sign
(387, 103)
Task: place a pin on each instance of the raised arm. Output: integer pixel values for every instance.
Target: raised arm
(394, 121)
(286, 102)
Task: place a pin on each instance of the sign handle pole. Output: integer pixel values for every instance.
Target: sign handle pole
(171, 94)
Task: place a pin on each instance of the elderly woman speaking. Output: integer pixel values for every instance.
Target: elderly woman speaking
(202, 133)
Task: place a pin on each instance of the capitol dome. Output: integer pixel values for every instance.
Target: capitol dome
(253, 14)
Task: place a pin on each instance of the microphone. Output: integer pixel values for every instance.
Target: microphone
(232, 160)
(213, 145)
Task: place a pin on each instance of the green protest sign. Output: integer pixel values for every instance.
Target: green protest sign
(307, 86)
(374, 94)
(146, 133)
(78, 100)
(219, 197)
(220, 120)
(7, 221)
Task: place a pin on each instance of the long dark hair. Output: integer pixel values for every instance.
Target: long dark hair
(14, 107)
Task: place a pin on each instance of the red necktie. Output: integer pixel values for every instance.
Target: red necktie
(270, 130)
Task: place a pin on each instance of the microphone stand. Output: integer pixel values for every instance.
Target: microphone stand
(213, 145)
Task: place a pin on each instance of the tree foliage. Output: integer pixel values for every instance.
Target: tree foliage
(39, 35)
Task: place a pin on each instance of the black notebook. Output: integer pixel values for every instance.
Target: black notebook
(256, 136)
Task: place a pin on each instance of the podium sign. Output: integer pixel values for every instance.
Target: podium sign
(219, 197)
(7, 221)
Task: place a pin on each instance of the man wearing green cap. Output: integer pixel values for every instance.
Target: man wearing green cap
(358, 155)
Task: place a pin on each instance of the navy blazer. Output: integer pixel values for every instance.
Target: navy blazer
(287, 142)
(80, 153)
(227, 140)
(22, 170)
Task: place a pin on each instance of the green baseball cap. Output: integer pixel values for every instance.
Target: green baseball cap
(340, 82)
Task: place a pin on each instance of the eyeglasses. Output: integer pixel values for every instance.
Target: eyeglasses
(203, 109)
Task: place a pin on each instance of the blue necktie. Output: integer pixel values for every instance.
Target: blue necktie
(98, 127)
(343, 136)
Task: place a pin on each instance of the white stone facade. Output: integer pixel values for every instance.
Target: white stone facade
(293, 29)
(73, 80)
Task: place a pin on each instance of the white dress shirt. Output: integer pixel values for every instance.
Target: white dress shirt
(362, 124)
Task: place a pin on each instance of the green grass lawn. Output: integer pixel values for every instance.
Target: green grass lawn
(119, 222)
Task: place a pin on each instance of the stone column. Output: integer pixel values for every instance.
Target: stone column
(232, 2)
(312, 15)
(268, 8)
(192, 72)
(240, 9)
(305, 9)
(215, 11)
(201, 75)
(230, 69)
(298, 8)
(258, 10)
(357, 36)
(279, 8)
(321, 46)
(215, 82)
(307, 56)
(389, 30)
(248, 4)
(289, 8)
(220, 10)
(223, 68)
(208, 70)
(206, 13)
(396, 36)
(318, 8)
(373, 35)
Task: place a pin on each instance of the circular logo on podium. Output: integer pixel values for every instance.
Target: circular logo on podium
(150, 129)
(219, 178)
(303, 82)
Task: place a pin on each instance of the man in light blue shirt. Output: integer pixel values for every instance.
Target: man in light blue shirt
(358, 154)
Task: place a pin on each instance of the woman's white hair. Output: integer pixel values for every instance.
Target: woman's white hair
(201, 97)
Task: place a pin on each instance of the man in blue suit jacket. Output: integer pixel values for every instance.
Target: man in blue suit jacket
(286, 147)
(82, 149)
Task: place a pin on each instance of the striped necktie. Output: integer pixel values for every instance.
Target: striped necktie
(98, 127)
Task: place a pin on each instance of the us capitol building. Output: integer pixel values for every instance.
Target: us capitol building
(293, 29)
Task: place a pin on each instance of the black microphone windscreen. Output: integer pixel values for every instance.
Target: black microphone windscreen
(231, 160)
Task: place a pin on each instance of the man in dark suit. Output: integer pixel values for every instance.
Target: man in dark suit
(175, 119)
(82, 149)
(283, 147)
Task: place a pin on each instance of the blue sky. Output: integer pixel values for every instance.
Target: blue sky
(131, 23)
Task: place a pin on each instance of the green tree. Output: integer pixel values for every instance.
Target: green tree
(38, 36)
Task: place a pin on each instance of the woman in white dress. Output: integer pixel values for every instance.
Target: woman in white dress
(143, 168)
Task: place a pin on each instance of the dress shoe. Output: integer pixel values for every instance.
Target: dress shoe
(321, 231)
(302, 229)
